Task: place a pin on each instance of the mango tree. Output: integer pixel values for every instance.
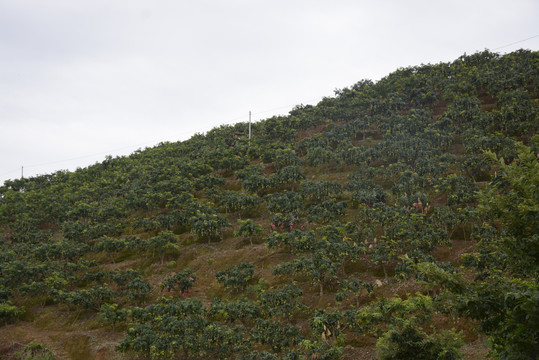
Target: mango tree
(229, 311)
(111, 246)
(283, 202)
(248, 229)
(208, 226)
(289, 175)
(317, 191)
(237, 277)
(283, 301)
(354, 287)
(276, 335)
(165, 242)
(182, 282)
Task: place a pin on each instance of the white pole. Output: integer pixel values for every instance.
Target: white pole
(249, 128)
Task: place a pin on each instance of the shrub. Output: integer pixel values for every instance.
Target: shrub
(410, 342)
(237, 276)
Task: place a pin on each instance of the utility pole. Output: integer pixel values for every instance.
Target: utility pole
(249, 128)
(22, 172)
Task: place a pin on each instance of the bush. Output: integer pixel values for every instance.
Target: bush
(9, 312)
(182, 281)
(34, 351)
(410, 342)
(237, 276)
(326, 211)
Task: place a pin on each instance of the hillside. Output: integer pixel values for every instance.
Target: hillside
(394, 220)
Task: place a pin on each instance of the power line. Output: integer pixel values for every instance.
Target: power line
(10, 172)
(81, 157)
(207, 128)
(287, 106)
(148, 142)
(516, 42)
(213, 126)
(266, 111)
(78, 157)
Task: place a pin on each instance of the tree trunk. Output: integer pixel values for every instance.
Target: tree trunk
(358, 297)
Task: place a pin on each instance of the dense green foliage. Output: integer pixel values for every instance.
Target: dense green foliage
(343, 204)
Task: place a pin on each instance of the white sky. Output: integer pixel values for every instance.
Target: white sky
(83, 79)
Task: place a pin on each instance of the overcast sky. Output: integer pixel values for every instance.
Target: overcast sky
(82, 79)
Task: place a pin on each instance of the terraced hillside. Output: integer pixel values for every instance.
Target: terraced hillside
(394, 220)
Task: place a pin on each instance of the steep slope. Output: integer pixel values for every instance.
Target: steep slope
(337, 230)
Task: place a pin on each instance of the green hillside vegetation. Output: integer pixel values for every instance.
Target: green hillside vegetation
(398, 219)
